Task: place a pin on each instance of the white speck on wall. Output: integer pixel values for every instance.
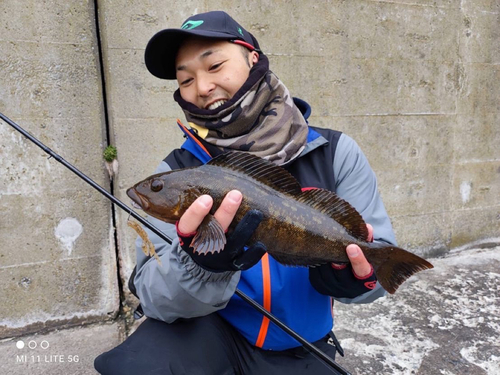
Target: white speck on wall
(67, 232)
(465, 188)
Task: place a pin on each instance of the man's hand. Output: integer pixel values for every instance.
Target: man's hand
(234, 256)
(346, 280)
(360, 265)
(194, 215)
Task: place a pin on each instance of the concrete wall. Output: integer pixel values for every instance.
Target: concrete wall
(57, 249)
(414, 82)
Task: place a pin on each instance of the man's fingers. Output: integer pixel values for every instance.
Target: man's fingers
(230, 204)
(194, 215)
(370, 233)
(360, 265)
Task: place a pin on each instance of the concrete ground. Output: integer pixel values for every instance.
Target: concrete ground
(66, 352)
(443, 321)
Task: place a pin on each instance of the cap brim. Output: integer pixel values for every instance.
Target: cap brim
(161, 50)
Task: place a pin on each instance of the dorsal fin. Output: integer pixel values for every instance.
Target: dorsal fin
(262, 170)
(338, 209)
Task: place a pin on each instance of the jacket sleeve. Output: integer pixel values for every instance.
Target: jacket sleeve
(356, 183)
(179, 288)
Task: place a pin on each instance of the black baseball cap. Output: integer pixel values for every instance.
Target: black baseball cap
(161, 50)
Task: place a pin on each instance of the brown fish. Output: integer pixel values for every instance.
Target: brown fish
(299, 228)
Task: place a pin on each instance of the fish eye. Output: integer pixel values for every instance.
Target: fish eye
(156, 185)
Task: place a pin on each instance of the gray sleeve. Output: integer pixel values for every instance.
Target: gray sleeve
(356, 183)
(179, 288)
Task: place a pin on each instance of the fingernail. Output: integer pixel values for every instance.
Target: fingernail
(205, 200)
(235, 196)
(352, 251)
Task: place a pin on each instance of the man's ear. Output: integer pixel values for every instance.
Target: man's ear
(254, 57)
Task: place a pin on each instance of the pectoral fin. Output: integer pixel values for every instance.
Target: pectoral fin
(210, 237)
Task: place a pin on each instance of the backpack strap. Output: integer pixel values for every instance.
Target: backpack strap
(194, 144)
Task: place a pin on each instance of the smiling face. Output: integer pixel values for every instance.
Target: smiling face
(210, 72)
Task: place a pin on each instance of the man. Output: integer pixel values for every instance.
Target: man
(196, 324)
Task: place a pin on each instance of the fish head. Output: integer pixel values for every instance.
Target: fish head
(160, 196)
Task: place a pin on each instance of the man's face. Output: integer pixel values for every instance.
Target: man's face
(210, 72)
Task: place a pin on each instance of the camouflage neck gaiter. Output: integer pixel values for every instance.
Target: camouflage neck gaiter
(261, 120)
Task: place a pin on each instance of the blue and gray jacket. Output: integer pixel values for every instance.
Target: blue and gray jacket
(182, 289)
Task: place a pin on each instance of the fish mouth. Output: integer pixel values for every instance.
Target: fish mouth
(135, 205)
(137, 200)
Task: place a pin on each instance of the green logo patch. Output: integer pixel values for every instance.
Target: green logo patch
(189, 25)
(241, 32)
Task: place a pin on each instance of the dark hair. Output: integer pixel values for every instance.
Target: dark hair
(245, 51)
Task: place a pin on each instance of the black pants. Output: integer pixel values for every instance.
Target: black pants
(204, 346)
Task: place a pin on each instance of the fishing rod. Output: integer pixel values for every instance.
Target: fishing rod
(310, 347)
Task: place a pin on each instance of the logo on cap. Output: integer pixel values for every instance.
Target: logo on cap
(191, 25)
(241, 32)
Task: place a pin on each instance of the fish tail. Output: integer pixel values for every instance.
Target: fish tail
(394, 265)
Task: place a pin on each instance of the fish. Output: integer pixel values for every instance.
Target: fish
(299, 228)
